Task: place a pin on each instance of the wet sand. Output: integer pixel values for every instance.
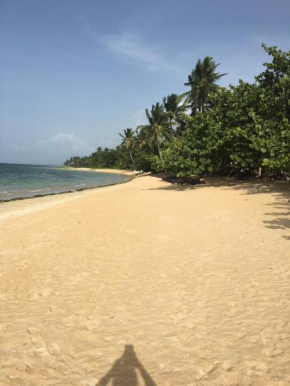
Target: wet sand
(146, 283)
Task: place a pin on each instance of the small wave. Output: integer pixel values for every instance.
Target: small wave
(37, 190)
(83, 184)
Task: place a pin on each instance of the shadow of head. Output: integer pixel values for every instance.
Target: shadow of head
(126, 371)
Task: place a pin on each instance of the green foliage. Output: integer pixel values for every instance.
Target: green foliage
(255, 118)
(101, 158)
(174, 109)
(195, 150)
(128, 141)
(202, 82)
(158, 128)
(248, 128)
(243, 127)
(147, 162)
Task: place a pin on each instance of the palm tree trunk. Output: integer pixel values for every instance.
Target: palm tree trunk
(158, 147)
(200, 107)
(131, 157)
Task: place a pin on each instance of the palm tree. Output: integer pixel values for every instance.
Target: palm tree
(158, 128)
(128, 141)
(174, 108)
(202, 81)
(141, 140)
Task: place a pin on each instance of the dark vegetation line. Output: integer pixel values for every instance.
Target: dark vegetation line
(239, 131)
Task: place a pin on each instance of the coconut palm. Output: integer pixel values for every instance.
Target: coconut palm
(141, 142)
(174, 108)
(158, 128)
(202, 82)
(128, 141)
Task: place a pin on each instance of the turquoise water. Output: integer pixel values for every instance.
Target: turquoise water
(20, 181)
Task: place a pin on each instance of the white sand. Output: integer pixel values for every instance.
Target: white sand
(110, 171)
(196, 279)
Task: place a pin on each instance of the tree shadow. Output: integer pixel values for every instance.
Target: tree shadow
(281, 190)
(252, 186)
(125, 370)
(282, 220)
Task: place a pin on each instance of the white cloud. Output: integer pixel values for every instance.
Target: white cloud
(66, 141)
(73, 145)
(69, 139)
(54, 150)
(130, 46)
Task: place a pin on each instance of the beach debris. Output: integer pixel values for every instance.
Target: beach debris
(137, 172)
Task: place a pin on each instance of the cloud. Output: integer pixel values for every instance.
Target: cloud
(69, 139)
(53, 151)
(130, 46)
(66, 141)
(59, 147)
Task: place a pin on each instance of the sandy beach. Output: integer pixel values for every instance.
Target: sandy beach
(147, 283)
(110, 171)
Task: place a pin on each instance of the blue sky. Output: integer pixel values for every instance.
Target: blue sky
(75, 73)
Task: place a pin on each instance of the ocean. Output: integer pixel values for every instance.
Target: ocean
(22, 181)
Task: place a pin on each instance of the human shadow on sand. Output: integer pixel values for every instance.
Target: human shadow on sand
(125, 370)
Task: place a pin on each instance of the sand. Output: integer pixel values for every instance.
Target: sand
(146, 283)
(104, 170)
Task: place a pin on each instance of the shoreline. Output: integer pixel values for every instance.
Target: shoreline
(110, 171)
(21, 206)
(24, 205)
(122, 172)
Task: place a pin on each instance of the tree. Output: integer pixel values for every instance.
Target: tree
(128, 141)
(255, 118)
(248, 130)
(273, 113)
(141, 143)
(158, 128)
(195, 151)
(202, 82)
(174, 108)
(246, 126)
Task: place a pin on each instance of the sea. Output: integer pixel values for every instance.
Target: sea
(23, 181)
